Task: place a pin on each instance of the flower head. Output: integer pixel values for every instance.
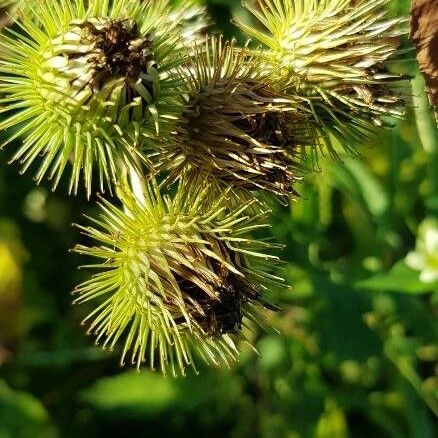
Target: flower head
(175, 276)
(337, 50)
(234, 127)
(425, 256)
(88, 81)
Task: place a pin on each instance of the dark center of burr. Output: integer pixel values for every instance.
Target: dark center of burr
(118, 50)
(222, 314)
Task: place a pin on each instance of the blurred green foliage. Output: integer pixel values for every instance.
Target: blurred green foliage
(356, 350)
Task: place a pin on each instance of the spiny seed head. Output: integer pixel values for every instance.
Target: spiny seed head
(88, 82)
(174, 276)
(235, 128)
(106, 51)
(337, 50)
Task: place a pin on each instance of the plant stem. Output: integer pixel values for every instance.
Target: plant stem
(428, 135)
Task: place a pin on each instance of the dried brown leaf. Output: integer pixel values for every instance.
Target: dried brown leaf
(424, 34)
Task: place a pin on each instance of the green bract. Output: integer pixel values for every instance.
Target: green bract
(88, 82)
(175, 276)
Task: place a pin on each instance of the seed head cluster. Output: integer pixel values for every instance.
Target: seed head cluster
(195, 136)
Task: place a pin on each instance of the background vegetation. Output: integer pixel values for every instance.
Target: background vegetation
(356, 349)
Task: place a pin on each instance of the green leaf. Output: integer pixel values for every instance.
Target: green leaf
(400, 278)
(147, 394)
(22, 415)
(357, 179)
